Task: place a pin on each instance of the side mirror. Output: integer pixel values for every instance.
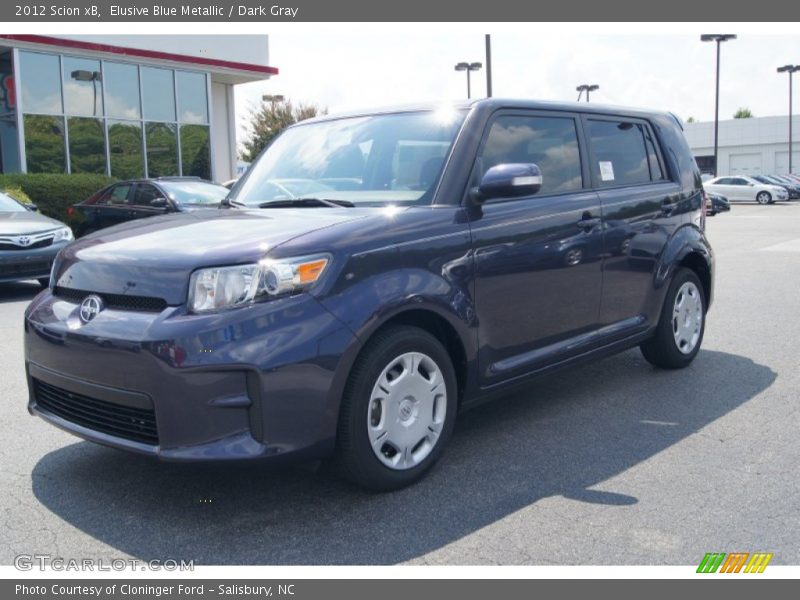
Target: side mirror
(159, 203)
(32, 207)
(511, 180)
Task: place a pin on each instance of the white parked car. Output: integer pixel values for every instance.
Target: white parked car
(741, 188)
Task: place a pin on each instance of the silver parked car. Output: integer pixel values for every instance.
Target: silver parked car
(746, 189)
(29, 242)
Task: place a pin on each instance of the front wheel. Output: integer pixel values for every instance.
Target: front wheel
(398, 409)
(764, 198)
(680, 329)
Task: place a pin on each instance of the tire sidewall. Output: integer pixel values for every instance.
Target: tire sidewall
(355, 446)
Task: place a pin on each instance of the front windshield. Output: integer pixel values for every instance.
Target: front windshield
(195, 192)
(367, 161)
(8, 204)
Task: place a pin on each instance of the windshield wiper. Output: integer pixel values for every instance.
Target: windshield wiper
(306, 202)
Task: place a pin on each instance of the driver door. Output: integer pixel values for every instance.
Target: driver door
(538, 275)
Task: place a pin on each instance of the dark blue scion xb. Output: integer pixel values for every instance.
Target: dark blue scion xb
(370, 276)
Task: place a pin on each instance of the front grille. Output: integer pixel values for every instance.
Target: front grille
(115, 301)
(26, 269)
(136, 424)
(40, 244)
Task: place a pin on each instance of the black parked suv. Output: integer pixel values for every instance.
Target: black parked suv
(139, 198)
(373, 275)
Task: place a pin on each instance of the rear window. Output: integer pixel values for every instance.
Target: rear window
(624, 153)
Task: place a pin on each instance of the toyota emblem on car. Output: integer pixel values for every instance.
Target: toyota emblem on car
(90, 306)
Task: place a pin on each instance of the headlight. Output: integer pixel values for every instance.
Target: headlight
(228, 287)
(63, 235)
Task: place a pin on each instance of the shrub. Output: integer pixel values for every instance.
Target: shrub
(16, 192)
(54, 192)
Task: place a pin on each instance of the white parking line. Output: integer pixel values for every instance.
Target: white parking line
(788, 246)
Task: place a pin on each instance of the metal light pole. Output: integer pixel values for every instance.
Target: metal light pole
(789, 69)
(488, 66)
(585, 87)
(468, 67)
(718, 38)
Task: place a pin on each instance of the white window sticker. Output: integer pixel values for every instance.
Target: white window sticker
(606, 170)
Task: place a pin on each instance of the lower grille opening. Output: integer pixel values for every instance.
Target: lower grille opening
(135, 424)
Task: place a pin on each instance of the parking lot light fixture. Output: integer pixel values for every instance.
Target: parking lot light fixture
(586, 87)
(468, 67)
(789, 69)
(718, 38)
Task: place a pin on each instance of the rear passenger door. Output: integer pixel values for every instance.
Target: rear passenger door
(537, 258)
(640, 210)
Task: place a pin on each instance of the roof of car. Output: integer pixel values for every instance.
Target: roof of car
(496, 103)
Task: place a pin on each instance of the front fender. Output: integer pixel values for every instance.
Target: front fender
(370, 302)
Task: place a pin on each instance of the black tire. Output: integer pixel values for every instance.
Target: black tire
(354, 454)
(44, 282)
(661, 350)
(764, 198)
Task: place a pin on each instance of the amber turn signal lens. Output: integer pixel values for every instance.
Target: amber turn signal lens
(309, 272)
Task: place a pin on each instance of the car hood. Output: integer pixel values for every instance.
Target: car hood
(19, 223)
(154, 257)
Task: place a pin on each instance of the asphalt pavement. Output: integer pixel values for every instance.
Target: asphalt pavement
(612, 463)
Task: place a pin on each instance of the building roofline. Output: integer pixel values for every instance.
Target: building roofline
(139, 53)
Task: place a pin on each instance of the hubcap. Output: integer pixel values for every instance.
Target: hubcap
(687, 317)
(407, 410)
(763, 198)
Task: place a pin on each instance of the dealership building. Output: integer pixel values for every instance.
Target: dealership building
(746, 146)
(125, 105)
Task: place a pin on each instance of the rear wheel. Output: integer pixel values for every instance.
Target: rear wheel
(764, 198)
(398, 409)
(680, 329)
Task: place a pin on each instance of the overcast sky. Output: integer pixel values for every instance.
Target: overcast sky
(672, 72)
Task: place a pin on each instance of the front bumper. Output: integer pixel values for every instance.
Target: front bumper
(254, 382)
(16, 265)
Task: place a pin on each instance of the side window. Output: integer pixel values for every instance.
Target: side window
(739, 181)
(723, 181)
(115, 195)
(550, 142)
(144, 194)
(624, 154)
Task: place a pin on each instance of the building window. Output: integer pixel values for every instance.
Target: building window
(196, 151)
(83, 96)
(125, 149)
(87, 145)
(162, 149)
(41, 83)
(138, 117)
(158, 94)
(192, 97)
(44, 144)
(121, 83)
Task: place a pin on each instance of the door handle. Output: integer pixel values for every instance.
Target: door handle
(588, 222)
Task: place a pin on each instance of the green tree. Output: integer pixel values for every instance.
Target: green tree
(743, 113)
(691, 120)
(269, 119)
